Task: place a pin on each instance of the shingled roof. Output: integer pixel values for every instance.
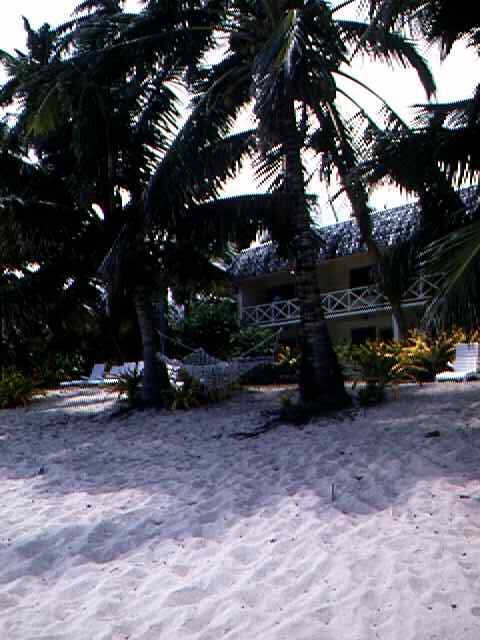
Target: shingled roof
(390, 227)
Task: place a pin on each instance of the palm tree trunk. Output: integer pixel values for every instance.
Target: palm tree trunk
(145, 317)
(160, 315)
(400, 319)
(321, 380)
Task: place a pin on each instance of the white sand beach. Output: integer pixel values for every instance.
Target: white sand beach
(161, 525)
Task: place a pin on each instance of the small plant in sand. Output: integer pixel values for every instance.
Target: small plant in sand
(378, 364)
(188, 394)
(191, 393)
(288, 398)
(289, 359)
(48, 373)
(130, 384)
(423, 356)
(15, 389)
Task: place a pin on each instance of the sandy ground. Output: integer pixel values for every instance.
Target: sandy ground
(162, 525)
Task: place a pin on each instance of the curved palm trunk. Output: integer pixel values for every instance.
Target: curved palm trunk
(321, 379)
(144, 309)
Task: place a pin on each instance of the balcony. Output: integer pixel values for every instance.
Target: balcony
(342, 303)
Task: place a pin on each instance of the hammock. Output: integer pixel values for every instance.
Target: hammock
(211, 372)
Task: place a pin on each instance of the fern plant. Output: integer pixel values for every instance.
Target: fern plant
(129, 384)
(423, 356)
(15, 390)
(191, 394)
(378, 364)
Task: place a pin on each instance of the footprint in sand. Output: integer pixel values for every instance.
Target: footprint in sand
(180, 570)
(208, 517)
(244, 554)
(475, 611)
(153, 632)
(109, 610)
(186, 596)
(7, 601)
(324, 614)
(418, 585)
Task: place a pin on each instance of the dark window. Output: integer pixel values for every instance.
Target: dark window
(361, 277)
(283, 292)
(386, 334)
(363, 334)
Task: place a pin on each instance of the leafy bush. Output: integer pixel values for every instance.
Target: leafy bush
(210, 325)
(191, 393)
(378, 364)
(51, 372)
(15, 389)
(423, 356)
(285, 369)
(264, 374)
(371, 395)
(213, 325)
(130, 384)
(289, 360)
(246, 339)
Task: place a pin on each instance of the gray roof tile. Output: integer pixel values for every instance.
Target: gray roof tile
(390, 227)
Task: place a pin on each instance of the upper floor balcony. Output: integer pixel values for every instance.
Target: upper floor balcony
(342, 303)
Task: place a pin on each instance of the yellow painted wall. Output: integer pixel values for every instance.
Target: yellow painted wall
(332, 276)
(335, 274)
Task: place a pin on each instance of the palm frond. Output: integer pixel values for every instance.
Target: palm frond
(187, 175)
(392, 48)
(454, 254)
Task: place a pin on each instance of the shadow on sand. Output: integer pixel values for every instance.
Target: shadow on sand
(152, 478)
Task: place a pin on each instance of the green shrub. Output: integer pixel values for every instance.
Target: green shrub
(423, 356)
(289, 360)
(191, 394)
(50, 373)
(130, 384)
(210, 325)
(378, 364)
(213, 325)
(371, 395)
(163, 377)
(256, 341)
(271, 373)
(15, 390)
(264, 374)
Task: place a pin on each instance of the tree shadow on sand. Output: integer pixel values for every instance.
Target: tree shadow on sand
(104, 489)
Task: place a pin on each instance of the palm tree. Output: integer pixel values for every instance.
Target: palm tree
(120, 76)
(289, 57)
(437, 155)
(46, 260)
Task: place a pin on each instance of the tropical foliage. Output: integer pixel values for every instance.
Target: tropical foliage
(419, 357)
(377, 364)
(436, 155)
(423, 356)
(15, 389)
(289, 57)
(124, 179)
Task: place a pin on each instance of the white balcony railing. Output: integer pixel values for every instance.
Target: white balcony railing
(344, 302)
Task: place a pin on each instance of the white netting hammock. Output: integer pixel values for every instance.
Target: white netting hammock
(211, 372)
